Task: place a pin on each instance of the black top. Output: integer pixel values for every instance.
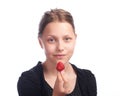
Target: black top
(32, 83)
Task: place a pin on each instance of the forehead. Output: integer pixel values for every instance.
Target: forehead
(57, 28)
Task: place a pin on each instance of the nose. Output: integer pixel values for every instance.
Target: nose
(60, 46)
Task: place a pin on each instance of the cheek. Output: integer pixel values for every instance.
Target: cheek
(71, 46)
(71, 49)
(49, 49)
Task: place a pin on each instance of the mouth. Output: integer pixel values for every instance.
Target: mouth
(59, 56)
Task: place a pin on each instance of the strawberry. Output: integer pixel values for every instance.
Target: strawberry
(60, 66)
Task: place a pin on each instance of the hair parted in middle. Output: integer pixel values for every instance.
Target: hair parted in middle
(55, 15)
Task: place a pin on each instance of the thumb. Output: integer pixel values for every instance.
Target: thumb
(63, 76)
(59, 77)
(66, 84)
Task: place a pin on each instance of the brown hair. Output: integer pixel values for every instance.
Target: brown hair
(54, 15)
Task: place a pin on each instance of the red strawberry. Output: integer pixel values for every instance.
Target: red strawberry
(60, 66)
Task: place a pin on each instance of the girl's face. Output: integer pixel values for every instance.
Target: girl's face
(58, 41)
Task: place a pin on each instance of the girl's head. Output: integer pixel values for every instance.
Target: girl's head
(57, 35)
(55, 15)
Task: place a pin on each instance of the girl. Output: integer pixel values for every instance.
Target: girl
(57, 38)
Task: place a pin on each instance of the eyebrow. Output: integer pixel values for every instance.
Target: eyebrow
(55, 35)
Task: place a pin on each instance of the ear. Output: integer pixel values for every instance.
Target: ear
(40, 42)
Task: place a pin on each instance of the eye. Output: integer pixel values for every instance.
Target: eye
(51, 40)
(67, 39)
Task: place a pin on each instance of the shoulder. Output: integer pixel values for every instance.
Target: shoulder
(83, 72)
(33, 72)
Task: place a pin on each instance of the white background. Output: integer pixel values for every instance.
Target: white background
(98, 43)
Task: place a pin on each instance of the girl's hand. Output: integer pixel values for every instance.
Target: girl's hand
(62, 85)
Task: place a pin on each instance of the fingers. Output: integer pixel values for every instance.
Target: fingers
(62, 85)
(58, 87)
(63, 75)
(59, 77)
(66, 84)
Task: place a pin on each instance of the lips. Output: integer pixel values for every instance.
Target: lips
(59, 56)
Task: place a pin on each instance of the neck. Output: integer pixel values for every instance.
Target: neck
(49, 69)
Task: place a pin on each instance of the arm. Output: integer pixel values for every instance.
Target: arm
(91, 84)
